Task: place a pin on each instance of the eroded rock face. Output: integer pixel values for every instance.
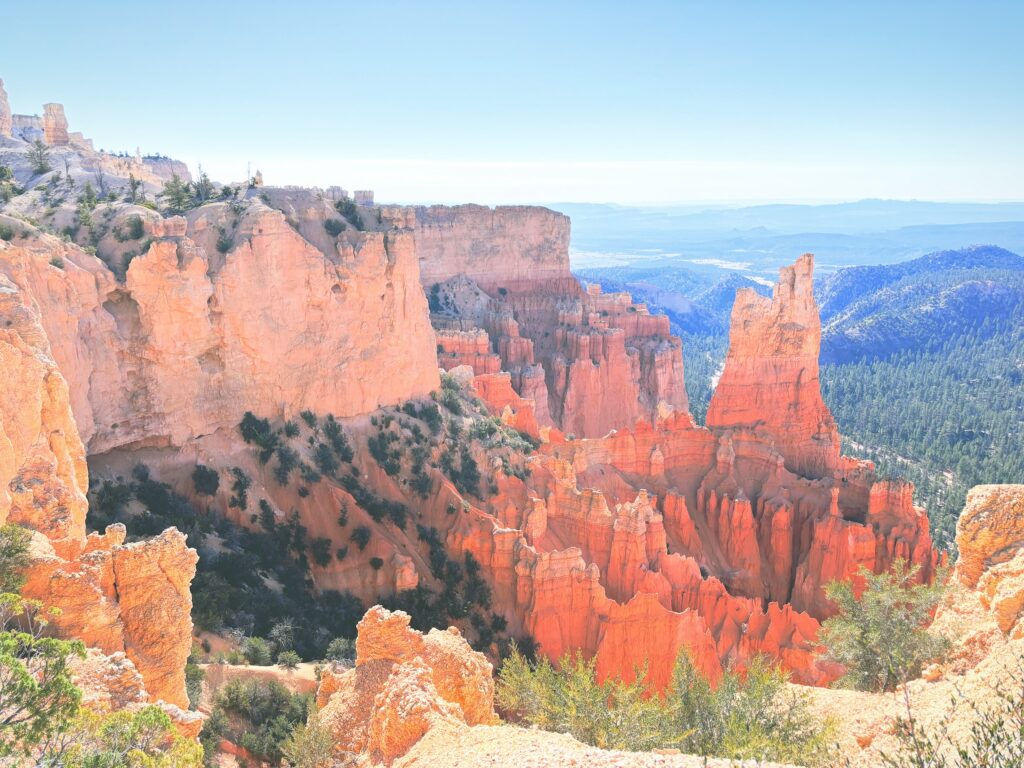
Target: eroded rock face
(509, 247)
(43, 477)
(195, 338)
(770, 381)
(591, 362)
(990, 539)
(404, 683)
(132, 599)
(55, 125)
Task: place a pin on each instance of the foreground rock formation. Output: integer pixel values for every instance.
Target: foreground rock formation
(415, 699)
(403, 685)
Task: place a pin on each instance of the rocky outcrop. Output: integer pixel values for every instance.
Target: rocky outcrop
(770, 382)
(132, 599)
(403, 684)
(990, 540)
(55, 125)
(194, 338)
(6, 124)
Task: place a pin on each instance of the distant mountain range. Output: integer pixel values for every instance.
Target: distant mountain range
(755, 241)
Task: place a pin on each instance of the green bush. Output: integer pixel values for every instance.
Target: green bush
(752, 715)
(361, 537)
(257, 651)
(240, 489)
(256, 715)
(136, 228)
(14, 542)
(341, 649)
(288, 660)
(205, 480)
(376, 563)
(39, 157)
(334, 227)
(882, 637)
(347, 208)
(320, 548)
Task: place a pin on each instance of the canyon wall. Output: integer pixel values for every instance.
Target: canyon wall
(509, 247)
(591, 362)
(194, 337)
(123, 599)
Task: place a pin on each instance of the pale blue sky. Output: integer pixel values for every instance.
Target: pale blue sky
(589, 101)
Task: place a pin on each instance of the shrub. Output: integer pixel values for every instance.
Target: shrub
(341, 553)
(263, 714)
(39, 157)
(37, 694)
(136, 228)
(376, 563)
(336, 437)
(6, 232)
(240, 489)
(320, 548)
(287, 460)
(205, 480)
(347, 208)
(343, 516)
(746, 716)
(194, 676)
(310, 745)
(881, 638)
(257, 651)
(14, 542)
(334, 227)
(288, 660)
(282, 634)
(125, 739)
(325, 460)
(361, 537)
(291, 429)
(310, 418)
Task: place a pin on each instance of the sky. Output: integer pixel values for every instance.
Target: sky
(627, 102)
